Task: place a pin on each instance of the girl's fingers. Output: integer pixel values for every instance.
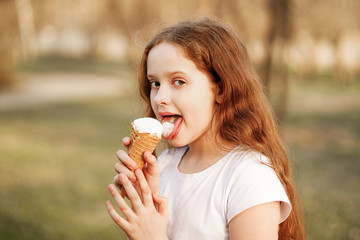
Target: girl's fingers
(152, 168)
(124, 208)
(126, 141)
(118, 184)
(121, 222)
(122, 192)
(162, 204)
(131, 192)
(152, 172)
(126, 160)
(120, 168)
(144, 187)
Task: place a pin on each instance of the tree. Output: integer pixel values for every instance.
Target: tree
(27, 31)
(277, 40)
(8, 33)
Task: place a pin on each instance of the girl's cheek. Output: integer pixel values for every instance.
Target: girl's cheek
(153, 105)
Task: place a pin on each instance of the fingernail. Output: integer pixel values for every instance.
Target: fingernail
(138, 171)
(115, 178)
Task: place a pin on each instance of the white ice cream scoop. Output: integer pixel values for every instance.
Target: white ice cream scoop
(148, 125)
(167, 128)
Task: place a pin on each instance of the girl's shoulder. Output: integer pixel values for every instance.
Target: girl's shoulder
(248, 167)
(250, 174)
(241, 157)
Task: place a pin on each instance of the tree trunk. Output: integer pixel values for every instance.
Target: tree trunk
(26, 29)
(277, 40)
(8, 33)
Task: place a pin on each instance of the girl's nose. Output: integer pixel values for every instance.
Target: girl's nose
(162, 96)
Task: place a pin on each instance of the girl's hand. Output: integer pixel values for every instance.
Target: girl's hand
(148, 218)
(127, 167)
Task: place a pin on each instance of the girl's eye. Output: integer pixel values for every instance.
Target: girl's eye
(155, 84)
(179, 82)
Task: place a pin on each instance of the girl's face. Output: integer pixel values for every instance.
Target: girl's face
(181, 94)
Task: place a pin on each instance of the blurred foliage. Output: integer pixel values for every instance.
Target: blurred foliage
(280, 34)
(53, 63)
(79, 28)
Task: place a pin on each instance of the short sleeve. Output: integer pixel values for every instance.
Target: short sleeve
(252, 184)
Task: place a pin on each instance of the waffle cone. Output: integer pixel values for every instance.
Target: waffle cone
(141, 142)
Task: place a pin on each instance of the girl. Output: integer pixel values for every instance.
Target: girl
(227, 175)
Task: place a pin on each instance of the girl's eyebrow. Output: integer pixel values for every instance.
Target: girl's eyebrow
(176, 72)
(168, 74)
(150, 76)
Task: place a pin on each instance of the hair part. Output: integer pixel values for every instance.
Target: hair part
(244, 116)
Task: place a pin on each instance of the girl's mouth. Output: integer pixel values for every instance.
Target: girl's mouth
(171, 126)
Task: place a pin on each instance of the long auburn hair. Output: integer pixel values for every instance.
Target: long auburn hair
(244, 116)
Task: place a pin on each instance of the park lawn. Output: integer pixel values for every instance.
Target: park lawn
(326, 162)
(323, 136)
(57, 161)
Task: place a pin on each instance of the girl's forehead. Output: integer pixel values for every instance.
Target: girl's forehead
(167, 59)
(166, 45)
(167, 53)
(174, 58)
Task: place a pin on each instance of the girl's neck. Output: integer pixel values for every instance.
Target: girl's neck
(203, 154)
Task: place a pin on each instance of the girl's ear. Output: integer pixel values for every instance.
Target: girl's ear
(219, 95)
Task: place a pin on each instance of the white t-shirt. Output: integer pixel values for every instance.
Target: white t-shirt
(202, 204)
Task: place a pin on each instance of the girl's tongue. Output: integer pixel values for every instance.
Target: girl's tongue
(171, 126)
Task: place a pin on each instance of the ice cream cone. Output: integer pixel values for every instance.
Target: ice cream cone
(145, 135)
(141, 142)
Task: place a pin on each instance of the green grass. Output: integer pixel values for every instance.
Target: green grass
(56, 164)
(57, 160)
(327, 167)
(323, 131)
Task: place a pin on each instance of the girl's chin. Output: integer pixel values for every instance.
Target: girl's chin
(176, 143)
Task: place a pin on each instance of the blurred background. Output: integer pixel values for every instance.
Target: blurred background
(68, 94)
